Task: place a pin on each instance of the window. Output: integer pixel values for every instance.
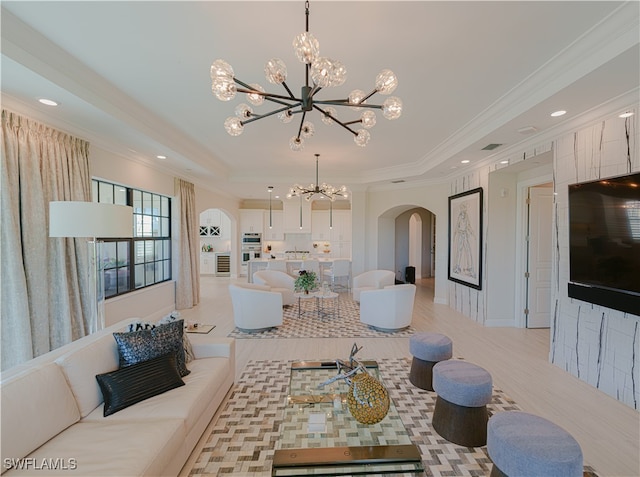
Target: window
(145, 259)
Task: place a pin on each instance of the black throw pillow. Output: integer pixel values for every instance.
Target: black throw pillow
(129, 385)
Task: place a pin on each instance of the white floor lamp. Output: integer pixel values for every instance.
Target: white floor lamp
(93, 220)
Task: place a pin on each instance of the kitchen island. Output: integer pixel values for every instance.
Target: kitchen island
(288, 264)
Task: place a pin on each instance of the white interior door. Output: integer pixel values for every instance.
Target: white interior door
(539, 259)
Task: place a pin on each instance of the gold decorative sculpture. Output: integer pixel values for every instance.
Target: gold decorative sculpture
(367, 399)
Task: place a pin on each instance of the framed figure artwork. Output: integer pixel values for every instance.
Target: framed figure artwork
(465, 238)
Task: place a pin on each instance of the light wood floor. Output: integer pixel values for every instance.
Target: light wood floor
(607, 430)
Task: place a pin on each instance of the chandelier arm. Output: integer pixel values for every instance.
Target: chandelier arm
(345, 102)
(315, 90)
(355, 121)
(304, 114)
(336, 120)
(369, 95)
(288, 90)
(255, 117)
(270, 96)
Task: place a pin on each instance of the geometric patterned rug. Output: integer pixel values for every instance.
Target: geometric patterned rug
(243, 439)
(309, 325)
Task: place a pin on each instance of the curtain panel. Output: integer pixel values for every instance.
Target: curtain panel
(188, 246)
(46, 292)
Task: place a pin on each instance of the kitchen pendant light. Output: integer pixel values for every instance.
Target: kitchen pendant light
(324, 72)
(270, 189)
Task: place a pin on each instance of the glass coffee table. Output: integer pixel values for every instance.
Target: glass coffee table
(320, 437)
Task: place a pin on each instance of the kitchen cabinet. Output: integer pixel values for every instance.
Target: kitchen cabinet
(207, 264)
(320, 226)
(215, 223)
(341, 231)
(251, 221)
(276, 232)
(292, 208)
(341, 250)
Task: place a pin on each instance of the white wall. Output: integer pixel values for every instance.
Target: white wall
(383, 206)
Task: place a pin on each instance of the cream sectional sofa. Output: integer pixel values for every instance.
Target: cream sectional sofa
(52, 412)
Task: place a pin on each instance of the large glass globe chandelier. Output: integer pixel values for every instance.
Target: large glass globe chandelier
(320, 72)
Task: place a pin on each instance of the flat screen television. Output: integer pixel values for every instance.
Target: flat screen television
(604, 242)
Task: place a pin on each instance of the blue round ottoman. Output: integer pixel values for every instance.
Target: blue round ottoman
(464, 390)
(525, 445)
(427, 349)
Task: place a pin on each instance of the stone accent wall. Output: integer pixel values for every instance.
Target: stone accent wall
(596, 344)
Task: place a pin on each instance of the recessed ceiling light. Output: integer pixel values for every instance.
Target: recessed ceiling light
(555, 114)
(626, 115)
(48, 102)
(466, 161)
(504, 162)
(161, 157)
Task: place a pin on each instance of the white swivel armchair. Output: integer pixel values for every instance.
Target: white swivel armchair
(255, 307)
(388, 309)
(372, 280)
(277, 281)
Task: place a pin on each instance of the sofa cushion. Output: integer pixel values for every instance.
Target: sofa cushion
(186, 403)
(143, 345)
(82, 365)
(36, 405)
(129, 385)
(111, 448)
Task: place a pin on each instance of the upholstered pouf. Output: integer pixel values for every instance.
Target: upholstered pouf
(427, 349)
(464, 390)
(524, 445)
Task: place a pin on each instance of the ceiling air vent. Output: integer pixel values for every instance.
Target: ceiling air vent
(397, 181)
(491, 147)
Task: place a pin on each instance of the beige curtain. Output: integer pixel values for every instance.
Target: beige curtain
(45, 288)
(188, 281)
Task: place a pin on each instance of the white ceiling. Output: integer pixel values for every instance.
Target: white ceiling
(133, 77)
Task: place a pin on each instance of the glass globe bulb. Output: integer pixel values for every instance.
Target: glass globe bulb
(223, 89)
(256, 99)
(306, 47)
(321, 71)
(362, 138)
(368, 119)
(338, 74)
(308, 129)
(243, 111)
(356, 96)
(276, 71)
(386, 82)
(221, 69)
(285, 116)
(392, 108)
(296, 144)
(327, 119)
(234, 126)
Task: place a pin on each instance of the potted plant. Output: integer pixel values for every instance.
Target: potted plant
(306, 281)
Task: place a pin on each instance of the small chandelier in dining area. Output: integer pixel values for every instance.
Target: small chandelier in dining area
(316, 189)
(324, 72)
